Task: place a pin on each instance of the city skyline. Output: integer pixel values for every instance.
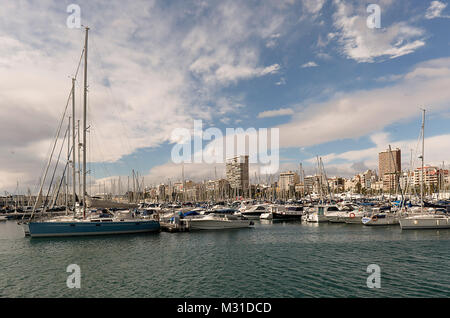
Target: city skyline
(299, 66)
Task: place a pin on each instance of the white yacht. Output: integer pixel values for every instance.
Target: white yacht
(215, 221)
(425, 221)
(267, 216)
(354, 217)
(254, 212)
(337, 216)
(377, 218)
(3, 218)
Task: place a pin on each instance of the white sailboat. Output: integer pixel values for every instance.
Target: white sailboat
(322, 212)
(424, 220)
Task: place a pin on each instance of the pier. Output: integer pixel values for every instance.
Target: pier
(181, 226)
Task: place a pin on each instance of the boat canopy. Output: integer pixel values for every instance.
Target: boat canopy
(224, 211)
(190, 213)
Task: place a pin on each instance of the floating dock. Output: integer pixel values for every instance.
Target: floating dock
(182, 226)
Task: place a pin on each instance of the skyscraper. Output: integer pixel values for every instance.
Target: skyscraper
(390, 167)
(288, 179)
(237, 174)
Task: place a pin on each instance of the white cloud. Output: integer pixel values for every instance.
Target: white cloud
(434, 153)
(389, 78)
(363, 44)
(323, 56)
(282, 81)
(356, 114)
(312, 8)
(309, 64)
(151, 69)
(435, 10)
(275, 113)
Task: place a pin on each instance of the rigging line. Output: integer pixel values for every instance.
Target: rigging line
(54, 145)
(51, 155)
(79, 63)
(56, 166)
(115, 103)
(99, 147)
(62, 179)
(65, 168)
(102, 165)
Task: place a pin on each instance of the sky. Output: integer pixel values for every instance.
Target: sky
(314, 69)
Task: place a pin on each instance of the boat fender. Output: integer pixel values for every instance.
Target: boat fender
(374, 218)
(352, 215)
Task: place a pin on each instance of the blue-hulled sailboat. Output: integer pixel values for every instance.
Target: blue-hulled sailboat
(104, 223)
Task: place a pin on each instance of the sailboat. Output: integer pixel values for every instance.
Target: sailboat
(102, 223)
(321, 212)
(424, 220)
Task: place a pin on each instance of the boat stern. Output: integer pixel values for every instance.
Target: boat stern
(26, 229)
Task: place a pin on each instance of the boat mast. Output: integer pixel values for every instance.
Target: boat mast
(73, 145)
(422, 157)
(320, 181)
(79, 159)
(85, 121)
(66, 175)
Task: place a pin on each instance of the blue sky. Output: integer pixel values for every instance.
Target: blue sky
(342, 90)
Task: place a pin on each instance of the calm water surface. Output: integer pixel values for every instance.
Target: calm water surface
(270, 260)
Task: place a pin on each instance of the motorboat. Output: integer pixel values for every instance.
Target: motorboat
(288, 212)
(266, 216)
(354, 217)
(254, 212)
(216, 221)
(381, 219)
(377, 218)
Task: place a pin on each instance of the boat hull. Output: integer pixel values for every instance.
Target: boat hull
(286, 216)
(252, 216)
(353, 220)
(315, 218)
(61, 229)
(218, 225)
(424, 223)
(368, 221)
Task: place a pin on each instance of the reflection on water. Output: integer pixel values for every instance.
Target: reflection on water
(274, 259)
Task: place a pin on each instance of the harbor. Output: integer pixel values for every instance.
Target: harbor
(225, 149)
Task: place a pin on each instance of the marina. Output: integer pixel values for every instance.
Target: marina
(225, 149)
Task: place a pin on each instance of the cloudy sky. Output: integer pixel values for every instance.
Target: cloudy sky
(312, 68)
